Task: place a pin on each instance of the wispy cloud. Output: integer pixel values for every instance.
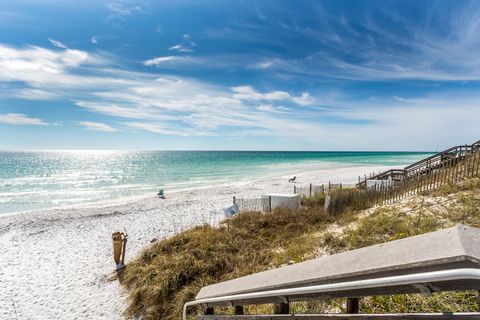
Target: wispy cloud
(182, 106)
(180, 48)
(157, 128)
(122, 8)
(57, 43)
(248, 93)
(21, 119)
(186, 45)
(262, 65)
(36, 94)
(382, 43)
(94, 40)
(97, 126)
(161, 60)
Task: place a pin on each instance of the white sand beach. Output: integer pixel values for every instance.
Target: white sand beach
(54, 264)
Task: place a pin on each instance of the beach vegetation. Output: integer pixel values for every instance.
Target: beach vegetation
(171, 272)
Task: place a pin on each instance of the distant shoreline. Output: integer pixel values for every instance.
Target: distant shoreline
(99, 183)
(139, 198)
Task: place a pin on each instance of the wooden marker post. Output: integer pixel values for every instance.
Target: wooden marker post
(352, 305)
(119, 240)
(281, 308)
(238, 310)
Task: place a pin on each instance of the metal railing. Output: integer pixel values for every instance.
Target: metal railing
(417, 279)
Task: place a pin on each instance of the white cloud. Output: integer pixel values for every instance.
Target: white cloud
(186, 45)
(36, 94)
(94, 40)
(47, 70)
(188, 39)
(97, 126)
(57, 44)
(248, 93)
(305, 99)
(156, 128)
(274, 109)
(181, 106)
(159, 60)
(21, 119)
(439, 43)
(122, 8)
(180, 48)
(262, 65)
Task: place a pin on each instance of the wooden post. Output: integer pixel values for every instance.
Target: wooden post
(310, 189)
(281, 308)
(465, 165)
(294, 189)
(455, 169)
(238, 310)
(124, 248)
(234, 200)
(270, 203)
(352, 305)
(478, 300)
(477, 161)
(474, 162)
(208, 311)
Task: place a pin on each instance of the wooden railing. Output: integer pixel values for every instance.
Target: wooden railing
(422, 176)
(423, 166)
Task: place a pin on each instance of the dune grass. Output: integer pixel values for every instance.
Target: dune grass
(172, 271)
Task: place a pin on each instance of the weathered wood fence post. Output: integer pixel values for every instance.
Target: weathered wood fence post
(208, 311)
(238, 310)
(281, 308)
(352, 305)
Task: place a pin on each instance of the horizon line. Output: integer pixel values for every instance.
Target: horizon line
(205, 150)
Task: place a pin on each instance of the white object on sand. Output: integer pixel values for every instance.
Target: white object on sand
(277, 200)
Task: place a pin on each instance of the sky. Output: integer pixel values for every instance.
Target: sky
(239, 75)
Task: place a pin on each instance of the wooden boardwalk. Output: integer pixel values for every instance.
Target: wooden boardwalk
(447, 167)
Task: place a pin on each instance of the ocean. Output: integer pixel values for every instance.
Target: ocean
(35, 180)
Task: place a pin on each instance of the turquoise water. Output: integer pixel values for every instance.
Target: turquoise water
(47, 179)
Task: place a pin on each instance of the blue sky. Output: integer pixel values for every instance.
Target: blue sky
(256, 75)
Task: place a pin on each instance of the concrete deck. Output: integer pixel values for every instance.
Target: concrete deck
(457, 247)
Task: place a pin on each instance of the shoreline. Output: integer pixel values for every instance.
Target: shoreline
(306, 167)
(57, 262)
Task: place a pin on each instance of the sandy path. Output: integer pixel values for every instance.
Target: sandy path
(54, 264)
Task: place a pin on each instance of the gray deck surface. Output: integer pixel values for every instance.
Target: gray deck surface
(457, 247)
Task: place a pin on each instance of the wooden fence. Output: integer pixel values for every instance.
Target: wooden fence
(422, 179)
(309, 190)
(312, 190)
(262, 204)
